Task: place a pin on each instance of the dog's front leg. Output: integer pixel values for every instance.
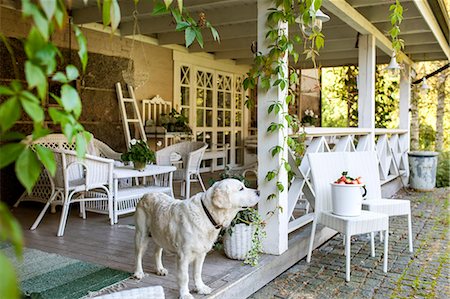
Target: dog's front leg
(160, 270)
(183, 276)
(200, 287)
(141, 241)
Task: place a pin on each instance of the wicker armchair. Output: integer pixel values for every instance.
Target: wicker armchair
(191, 154)
(80, 180)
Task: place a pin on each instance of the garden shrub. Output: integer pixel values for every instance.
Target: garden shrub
(443, 170)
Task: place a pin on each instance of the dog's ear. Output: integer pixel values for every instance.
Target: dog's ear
(220, 197)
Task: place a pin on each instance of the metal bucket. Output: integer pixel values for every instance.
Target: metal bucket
(422, 166)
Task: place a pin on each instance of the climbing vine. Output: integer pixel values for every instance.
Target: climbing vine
(396, 17)
(268, 71)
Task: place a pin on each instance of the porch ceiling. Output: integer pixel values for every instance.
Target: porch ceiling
(236, 22)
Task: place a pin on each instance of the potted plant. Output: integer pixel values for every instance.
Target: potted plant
(139, 153)
(175, 122)
(346, 195)
(242, 239)
(310, 118)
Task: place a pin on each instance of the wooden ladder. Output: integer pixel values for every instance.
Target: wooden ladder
(135, 119)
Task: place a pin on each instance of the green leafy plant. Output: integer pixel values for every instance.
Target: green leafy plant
(139, 152)
(249, 216)
(396, 17)
(309, 117)
(175, 122)
(443, 170)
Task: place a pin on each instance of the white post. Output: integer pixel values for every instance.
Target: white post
(366, 92)
(405, 99)
(274, 211)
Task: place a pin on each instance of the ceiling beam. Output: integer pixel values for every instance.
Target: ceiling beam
(244, 29)
(363, 3)
(428, 15)
(225, 45)
(93, 14)
(234, 54)
(358, 22)
(235, 12)
(380, 13)
(423, 48)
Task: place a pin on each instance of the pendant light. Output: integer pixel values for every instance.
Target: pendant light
(393, 67)
(424, 85)
(313, 24)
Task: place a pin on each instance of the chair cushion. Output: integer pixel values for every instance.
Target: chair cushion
(365, 223)
(391, 207)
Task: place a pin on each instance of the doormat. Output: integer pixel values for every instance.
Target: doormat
(50, 275)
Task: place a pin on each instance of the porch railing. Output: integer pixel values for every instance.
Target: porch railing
(391, 146)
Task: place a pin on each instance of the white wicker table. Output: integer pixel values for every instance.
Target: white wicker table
(125, 199)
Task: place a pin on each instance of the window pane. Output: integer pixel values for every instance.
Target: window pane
(220, 99)
(238, 118)
(239, 155)
(238, 100)
(228, 100)
(209, 118)
(200, 96)
(184, 96)
(238, 139)
(227, 137)
(227, 118)
(209, 98)
(185, 112)
(200, 117)
(220, 138)
(220, 118)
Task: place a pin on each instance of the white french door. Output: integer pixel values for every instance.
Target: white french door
(214, 103)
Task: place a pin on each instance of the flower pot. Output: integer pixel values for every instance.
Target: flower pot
(139, 165)
(346, 199)
(239, 243)
(422, 166)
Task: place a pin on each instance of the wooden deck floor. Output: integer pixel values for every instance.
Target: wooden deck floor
(94, 240)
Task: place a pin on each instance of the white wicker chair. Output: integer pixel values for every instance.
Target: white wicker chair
(191, 155)
(326, 168)
(45, 189)
(73, 180)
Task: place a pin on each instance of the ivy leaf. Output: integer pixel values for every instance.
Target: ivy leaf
(215, 34)
(70, 99)
(60, 15)
(115, 15)
(10, 152)
(36, 78)
(33, 43)
(47, 158)
(159, 9)
(82, 44)
(72, 72)
(41, 23)
(280, 187)
(276, 150)
(33, 109)
(60, 77)
(81, 145)
(28, 169)
(189, 36)
(9, 113)
(6, 91)
(167, 3)
(180, 5)
(48, 7)
(39, 131)
(46, 57)
(182, 25)
(271, 196)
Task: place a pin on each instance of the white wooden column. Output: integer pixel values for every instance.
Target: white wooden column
(274, 211)
(366, 91)
(405, 99)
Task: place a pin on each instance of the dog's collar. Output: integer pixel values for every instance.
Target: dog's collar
(210, 217)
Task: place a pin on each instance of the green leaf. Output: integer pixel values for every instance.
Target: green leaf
(280, 187)
(215, 34)
(9, 113)
(106, 12)
(11, 136)
(9, 288)
(72, 72)
(33, 43)
(41, 24)
(48, 7)
(198, 36)
(56, 115)
(47, 158)
(70, 99)
(10, 152)
(28, 169)
(39, 131)
(36, 78)
(82, 44)
(81, 145)
(60, 15)
(60, 77)
(46, 57)
(180, 5)
(159, 9)
(189, 36)
(182, 25)
(4, 90)
(115, 15)
(33, 109)
(167, 3)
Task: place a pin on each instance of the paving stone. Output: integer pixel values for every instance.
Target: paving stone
(423, 274)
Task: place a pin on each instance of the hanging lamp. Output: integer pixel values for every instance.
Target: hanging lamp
(424, 85)
(393, 67)
(313, 24)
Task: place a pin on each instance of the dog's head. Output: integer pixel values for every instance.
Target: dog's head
(228, 197)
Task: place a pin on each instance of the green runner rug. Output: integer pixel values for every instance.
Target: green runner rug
(49, 275)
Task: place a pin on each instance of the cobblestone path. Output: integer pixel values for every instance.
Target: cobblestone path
(422, 274)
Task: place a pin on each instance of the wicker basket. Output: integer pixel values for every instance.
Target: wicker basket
(239, 243)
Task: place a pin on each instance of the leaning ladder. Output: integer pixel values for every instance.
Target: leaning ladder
(135, 119)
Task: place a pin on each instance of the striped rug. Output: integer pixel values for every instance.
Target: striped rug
(49, 275)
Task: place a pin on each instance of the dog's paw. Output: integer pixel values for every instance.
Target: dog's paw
(162, 272)
(139, 275)
(186, 296)
(203, 289)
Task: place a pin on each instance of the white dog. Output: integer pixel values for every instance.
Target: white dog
(188, 228)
